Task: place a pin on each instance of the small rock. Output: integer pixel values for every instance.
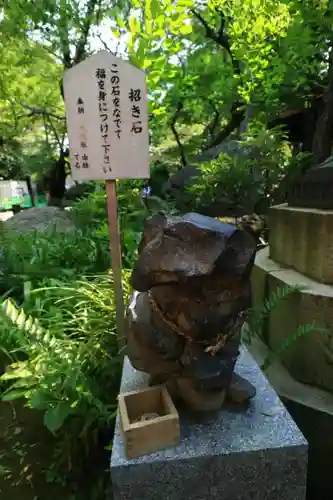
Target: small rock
(41, 219)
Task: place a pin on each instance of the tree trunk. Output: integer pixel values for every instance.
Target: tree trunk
(57, 181)
(236, 119)
(30, 190)
(176, 135)
(245, 123)
(322, 142)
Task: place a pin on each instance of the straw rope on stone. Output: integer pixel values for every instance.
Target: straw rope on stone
(212, 346)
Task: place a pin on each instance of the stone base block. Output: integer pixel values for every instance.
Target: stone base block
(309, 359)
(317, 428)
(302, 238)
(256, 452)
(312, 410)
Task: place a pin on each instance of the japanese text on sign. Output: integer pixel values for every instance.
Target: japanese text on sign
(135, 98)
(107, 116)
(115, 81)
(83, 139)
(103, 115)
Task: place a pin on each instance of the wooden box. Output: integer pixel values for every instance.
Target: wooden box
(149, 420)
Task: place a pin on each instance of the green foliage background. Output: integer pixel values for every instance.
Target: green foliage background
(210, 64)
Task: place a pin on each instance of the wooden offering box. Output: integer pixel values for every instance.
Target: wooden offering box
(149, 420)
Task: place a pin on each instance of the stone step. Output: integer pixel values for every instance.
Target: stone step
(302, 238)
(309, 359)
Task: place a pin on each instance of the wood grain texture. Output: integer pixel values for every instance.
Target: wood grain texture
(148, 436)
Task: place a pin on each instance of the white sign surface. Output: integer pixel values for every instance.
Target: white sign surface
(107, 118)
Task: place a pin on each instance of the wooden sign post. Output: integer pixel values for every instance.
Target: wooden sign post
(107, 119)
(115, 251)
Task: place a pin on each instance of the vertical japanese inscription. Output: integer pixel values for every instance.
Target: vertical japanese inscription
(103, 115)
(84, 160)
(115, 94)
(135, 98)
(106, 111)
(80, 106)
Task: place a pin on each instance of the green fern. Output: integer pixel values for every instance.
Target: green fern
(257, 317)
(19, 318)
(301, 331)
(279, 294)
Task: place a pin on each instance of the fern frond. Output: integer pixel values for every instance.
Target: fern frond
(256, 317)
(18, 317)
(279, 294)
(301, 331)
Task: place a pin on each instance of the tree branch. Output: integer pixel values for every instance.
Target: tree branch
(46, 131)
(55, 132)
(237, 117)
(38, 112)
(212, 126)
(219, 37)
(176, 134)
(81, 45)
(210, 33)
(66, 52)
(58, 57)
(99, 12)
(105, 45)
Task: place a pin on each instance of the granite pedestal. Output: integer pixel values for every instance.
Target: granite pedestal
(257, 453)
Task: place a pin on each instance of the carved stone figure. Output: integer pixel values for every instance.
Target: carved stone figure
(184, 323)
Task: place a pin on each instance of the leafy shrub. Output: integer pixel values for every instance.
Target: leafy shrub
(38, 255)
(59, 350)
(91, 214)
(250, 176)
(60, 355)
(67, 344)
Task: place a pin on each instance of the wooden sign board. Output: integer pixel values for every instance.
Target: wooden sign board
(107, 118)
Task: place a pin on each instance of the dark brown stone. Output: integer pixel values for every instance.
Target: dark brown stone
(184, 326)
(240, 390)
(175, 249)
